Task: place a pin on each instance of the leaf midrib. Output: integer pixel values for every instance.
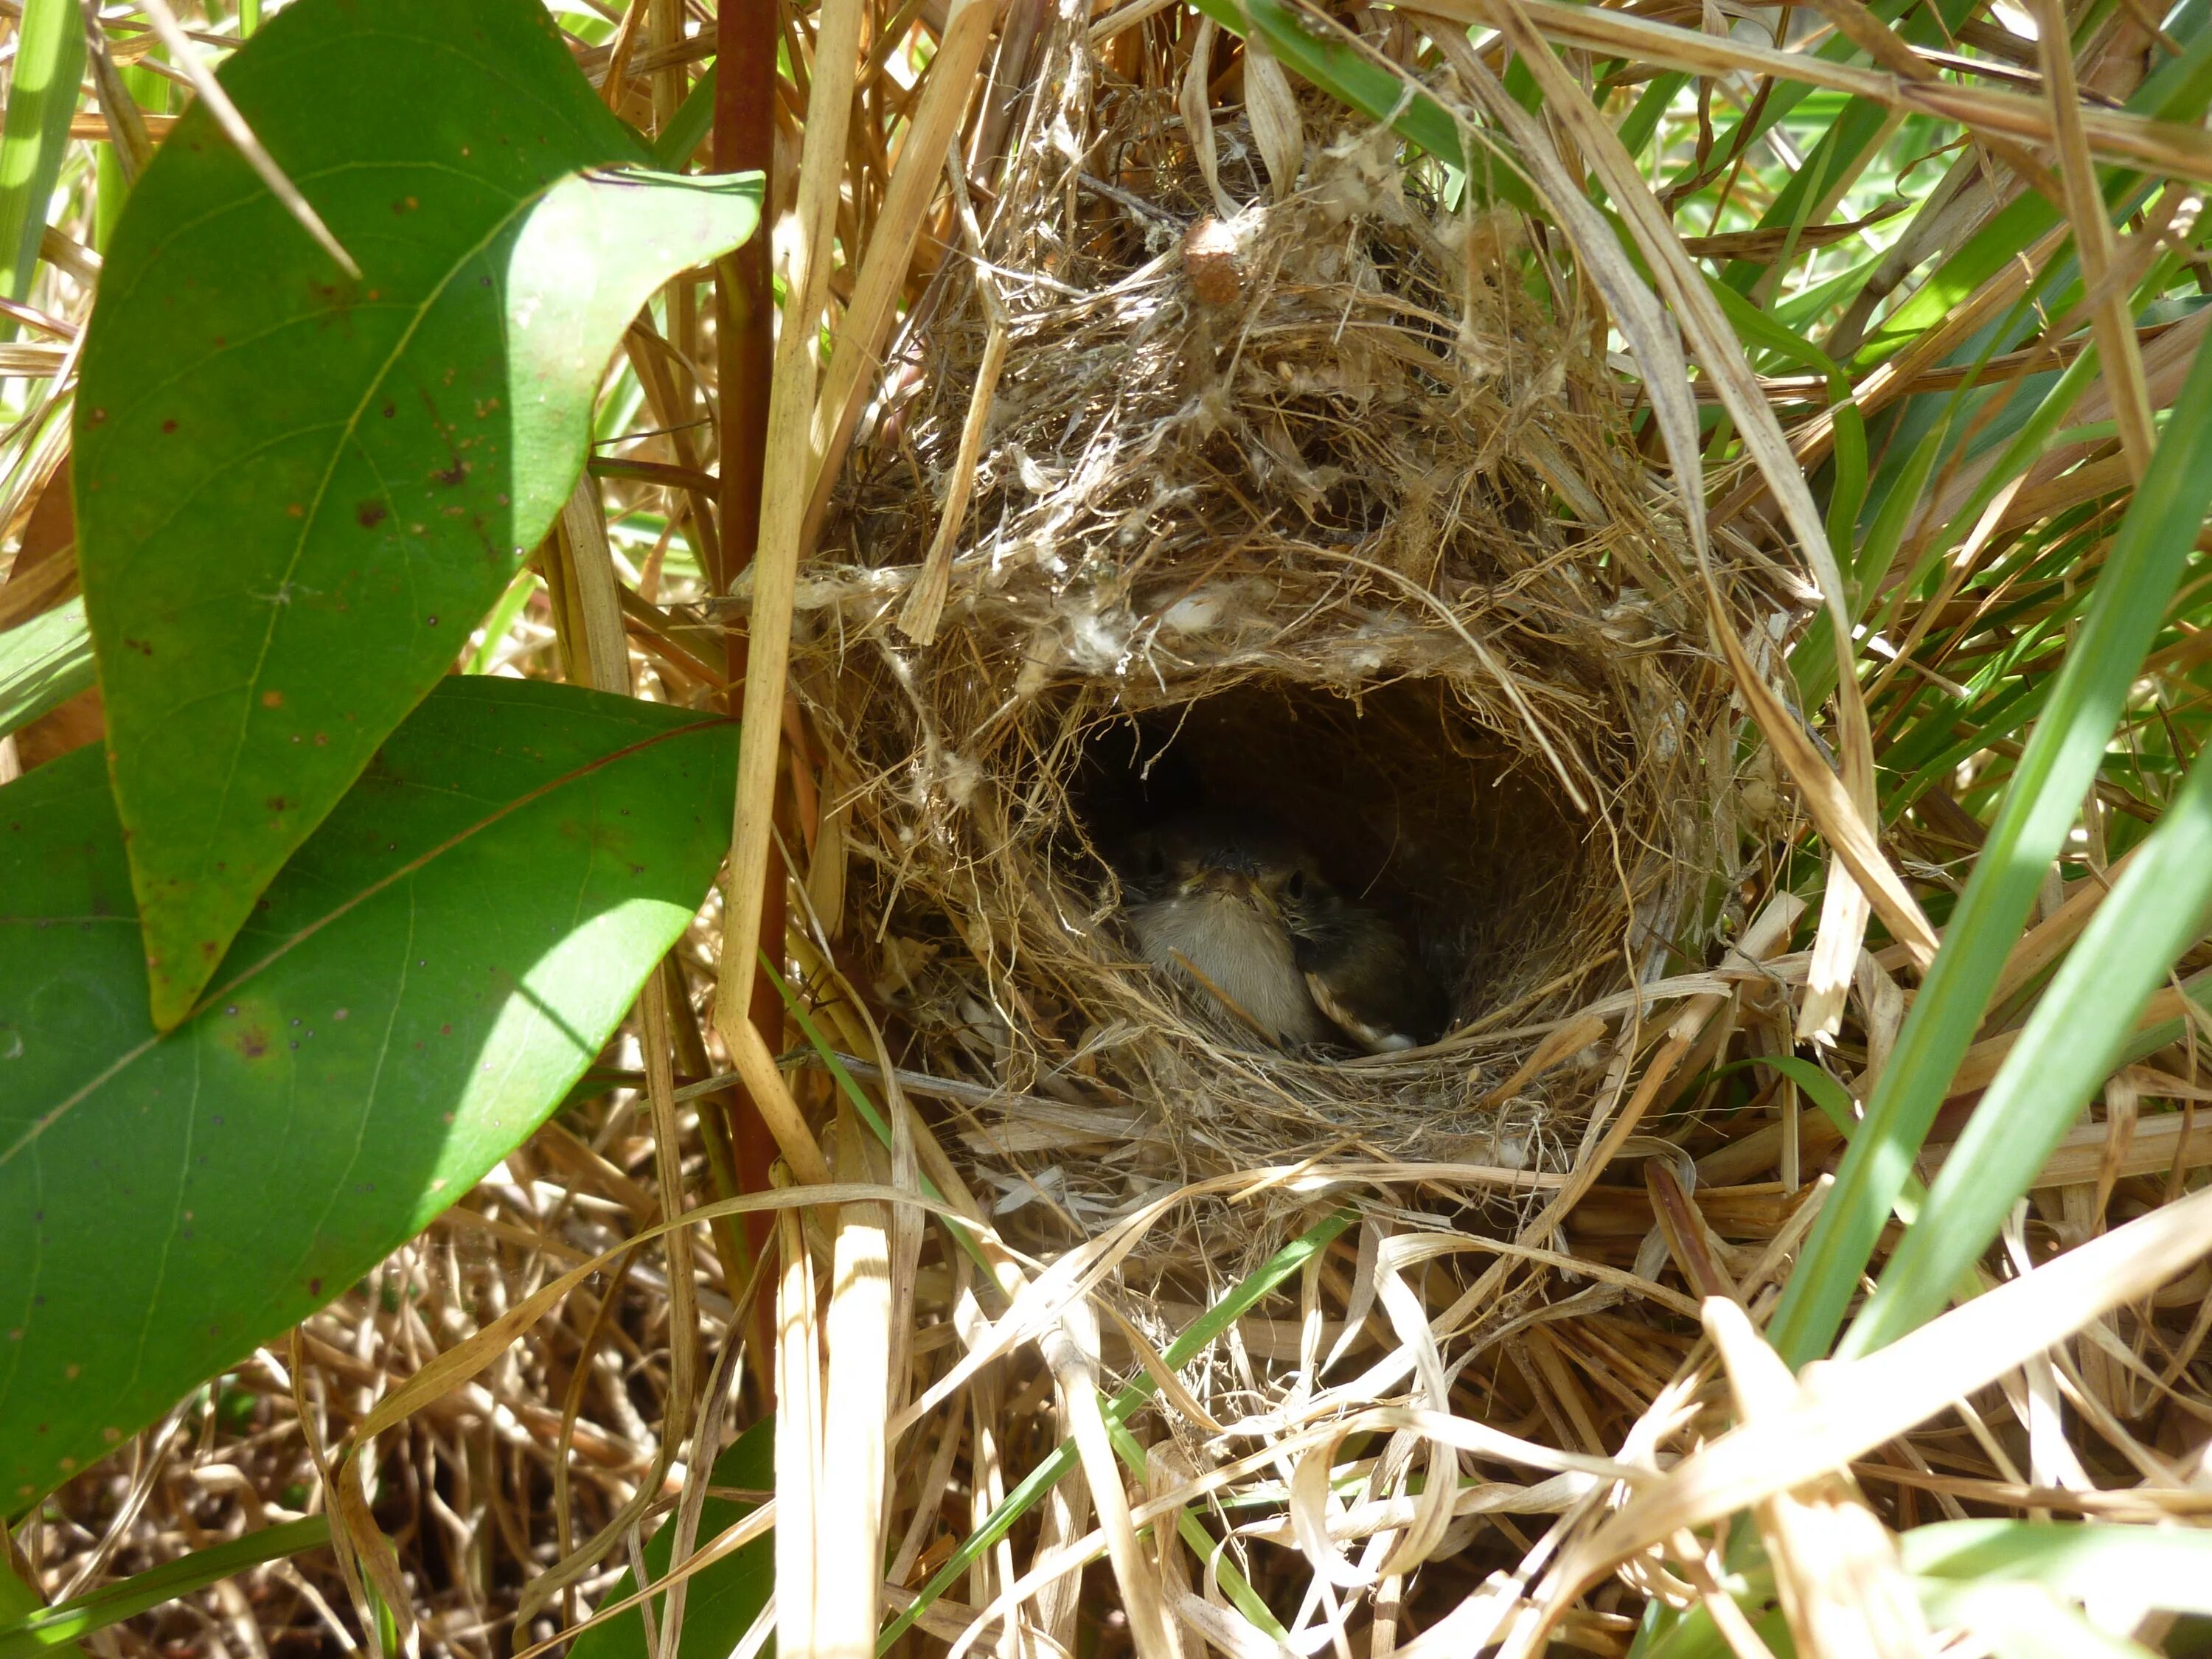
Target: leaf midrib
(311, 520)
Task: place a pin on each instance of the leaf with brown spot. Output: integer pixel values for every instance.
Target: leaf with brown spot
(222, 505)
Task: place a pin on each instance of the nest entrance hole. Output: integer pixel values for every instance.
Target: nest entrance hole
(1405, 801)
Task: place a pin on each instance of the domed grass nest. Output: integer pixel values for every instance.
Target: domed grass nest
(1326, 507)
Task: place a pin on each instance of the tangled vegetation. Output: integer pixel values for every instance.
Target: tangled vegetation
(1734, 477)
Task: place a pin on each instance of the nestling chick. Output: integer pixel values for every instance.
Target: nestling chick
(1212, 896)
(1359, 972)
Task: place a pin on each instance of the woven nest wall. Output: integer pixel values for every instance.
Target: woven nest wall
(1323, 505)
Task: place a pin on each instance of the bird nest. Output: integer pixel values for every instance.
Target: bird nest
(1326, 508)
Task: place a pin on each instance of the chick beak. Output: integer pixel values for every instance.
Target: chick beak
(1232, 884)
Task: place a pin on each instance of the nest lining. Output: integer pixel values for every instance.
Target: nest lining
(1363, 544)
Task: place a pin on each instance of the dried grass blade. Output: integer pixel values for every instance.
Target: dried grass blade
(121, 122)
(1848, 1407)
(950, 82)
(1835, 1565)
(1195, 101)
(771, 1097)
(1291, 1259)
(1065, 1351)
(925, 603)
(684, 1333)
(2111, 319)
(1224, 1630)
(590, 565)
(799, 1449)
(1844, 912)
(850, 1509)
(614, 74)
(455, 1365)
(1272, 110)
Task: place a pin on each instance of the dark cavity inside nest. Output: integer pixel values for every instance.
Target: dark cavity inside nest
(1407, 803)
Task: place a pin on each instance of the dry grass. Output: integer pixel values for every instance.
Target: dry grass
(1367, 527)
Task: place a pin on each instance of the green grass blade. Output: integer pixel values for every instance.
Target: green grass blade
(2178, 90)
(2052, 776)
(687, 128)
(1813, 657)
(501, 618)
(2032, 1627)
(41, 98)
(38, 1634)
(2071, 1043)
(43, 663)
(2156, 1567)
(1342, 73)
(18, 1601)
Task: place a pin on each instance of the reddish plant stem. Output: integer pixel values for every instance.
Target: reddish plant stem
(746, 34)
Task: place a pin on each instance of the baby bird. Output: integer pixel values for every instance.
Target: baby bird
(1211, 895)
(1246, 914)
(1359, 972)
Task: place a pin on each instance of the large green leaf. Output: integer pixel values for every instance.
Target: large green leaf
(410, 998)
(724, 1597)
(297, 492)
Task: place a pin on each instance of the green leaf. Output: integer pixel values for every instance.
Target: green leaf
(19, 1601)
(41, 99)
(1339, 69)
(2155, 1566)
(2075, 1037)
(39, 1634)
(411, 999)
(679, 141)
(2023, 1622)
(296, 493)
(2053, 775)
(43, 663)
(2178, 90)
(726, 1595)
